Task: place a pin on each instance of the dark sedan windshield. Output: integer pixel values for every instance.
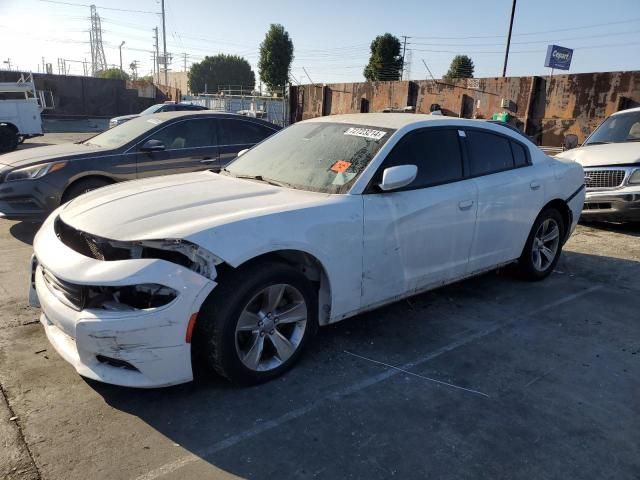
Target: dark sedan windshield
(623, 127)
(122, 134)
(316, 156)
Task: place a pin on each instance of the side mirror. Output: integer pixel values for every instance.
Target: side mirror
(242, 152)
(152, 146)
(397, 177)
(570, 141)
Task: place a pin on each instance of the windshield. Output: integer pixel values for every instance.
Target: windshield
(317, 156)
(122, 134)
(624, 127)
(151, 109)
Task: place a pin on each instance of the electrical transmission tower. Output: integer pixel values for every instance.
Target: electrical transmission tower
(407, 68)
(98, 59)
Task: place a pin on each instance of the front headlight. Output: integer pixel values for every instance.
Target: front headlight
(634, 179)
(33, 172)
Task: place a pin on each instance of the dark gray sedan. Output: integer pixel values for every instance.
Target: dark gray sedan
(34, 182)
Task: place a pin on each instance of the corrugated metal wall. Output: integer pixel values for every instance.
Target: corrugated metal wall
(546, 108)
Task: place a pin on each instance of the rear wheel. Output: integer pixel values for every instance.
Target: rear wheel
(8, 139)
(256, 323)
(544, 245)
(83, 186)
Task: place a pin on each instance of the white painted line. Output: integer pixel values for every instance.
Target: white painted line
(416, 375)
(353, 388)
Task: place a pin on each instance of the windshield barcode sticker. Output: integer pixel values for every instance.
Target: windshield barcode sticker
(366, 133)
(155, 121)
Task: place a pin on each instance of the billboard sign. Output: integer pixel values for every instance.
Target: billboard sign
(558, 57)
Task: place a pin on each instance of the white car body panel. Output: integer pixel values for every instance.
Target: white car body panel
(627, 153)
(373, 248)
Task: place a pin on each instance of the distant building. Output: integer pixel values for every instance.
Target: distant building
(177, 80)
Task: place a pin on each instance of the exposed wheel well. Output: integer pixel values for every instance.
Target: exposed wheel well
(309, 265)
(81, 180)
(9, 125)
(567, 216)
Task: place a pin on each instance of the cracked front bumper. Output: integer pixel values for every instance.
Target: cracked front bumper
(136, 348)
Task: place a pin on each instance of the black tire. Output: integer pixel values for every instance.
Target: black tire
(83, 186)
(8, 139)
(214, 337)
(526, 263)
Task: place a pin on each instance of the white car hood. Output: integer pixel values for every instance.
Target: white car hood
(607, 154)
(179, 206)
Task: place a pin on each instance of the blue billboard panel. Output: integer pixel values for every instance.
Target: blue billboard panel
(558, 57)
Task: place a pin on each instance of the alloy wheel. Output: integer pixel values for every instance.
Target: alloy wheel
(545, 244)
(271, 327)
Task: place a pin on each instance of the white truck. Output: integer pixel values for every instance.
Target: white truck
(20, 108)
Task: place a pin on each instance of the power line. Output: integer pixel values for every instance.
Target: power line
(102, 8)
(631, 20)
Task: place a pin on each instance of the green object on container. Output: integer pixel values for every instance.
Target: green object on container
(501, 116)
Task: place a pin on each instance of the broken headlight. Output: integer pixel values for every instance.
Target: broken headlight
(129, 297)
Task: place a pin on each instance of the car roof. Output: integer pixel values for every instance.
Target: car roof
(392, 120)
(628, 110)
(211, 113)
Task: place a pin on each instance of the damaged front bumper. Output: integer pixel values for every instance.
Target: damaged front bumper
(131, 347)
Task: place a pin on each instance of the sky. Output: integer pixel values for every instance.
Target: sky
(331, 38)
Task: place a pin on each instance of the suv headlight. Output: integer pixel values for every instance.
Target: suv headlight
(634, 179)
(33, 172)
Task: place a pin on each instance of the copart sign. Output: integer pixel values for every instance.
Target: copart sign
(558, 57)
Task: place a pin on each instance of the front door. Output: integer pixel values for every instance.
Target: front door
(189, 145)
(419, 236)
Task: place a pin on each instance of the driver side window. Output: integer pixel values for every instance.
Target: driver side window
(186, 134)
(436, 153)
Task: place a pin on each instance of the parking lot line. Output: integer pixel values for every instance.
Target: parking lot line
(349, 390)
(416, 375)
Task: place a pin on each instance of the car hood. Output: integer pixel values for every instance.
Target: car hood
(125, 117)
(31, 156)
(179, 206)
(626, 153)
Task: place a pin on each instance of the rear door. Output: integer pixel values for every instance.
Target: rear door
(190, 145)
(510, 196)
(237, 134)
(421, 235)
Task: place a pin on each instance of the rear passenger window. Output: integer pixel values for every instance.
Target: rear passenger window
(488, 153)
(239, 132)
(519, 154)
(436, 153)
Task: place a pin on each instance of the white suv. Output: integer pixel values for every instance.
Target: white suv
(611, 161)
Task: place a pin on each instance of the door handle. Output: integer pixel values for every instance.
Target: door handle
(534, 185)
(465, 204)
(208, 160)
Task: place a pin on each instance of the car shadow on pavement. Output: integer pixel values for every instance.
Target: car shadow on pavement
(631, 228)
(25, 231)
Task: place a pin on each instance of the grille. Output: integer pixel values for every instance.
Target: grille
(603, 178)
(70, 294)
(86, 244)
(597, 206)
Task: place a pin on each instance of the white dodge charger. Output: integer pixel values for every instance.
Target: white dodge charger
(328, 218)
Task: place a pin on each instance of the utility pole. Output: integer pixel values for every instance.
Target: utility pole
(156, 60)
(121, 55)
(44, 68)
(8, 62)
(184, 58)
(404, 49)
(506, 53)
(164, 46)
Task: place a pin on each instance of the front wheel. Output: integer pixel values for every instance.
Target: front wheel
(256, 323)
(8, 139)
(544, 245)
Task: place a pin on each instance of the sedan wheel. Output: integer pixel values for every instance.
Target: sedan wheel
(256, 322)
(545, 244)
(543, 247)
(271, 327)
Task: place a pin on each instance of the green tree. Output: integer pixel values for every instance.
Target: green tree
(461, 67)
(276, 55)
(114, 73)
(219, 72)
(385, 62)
